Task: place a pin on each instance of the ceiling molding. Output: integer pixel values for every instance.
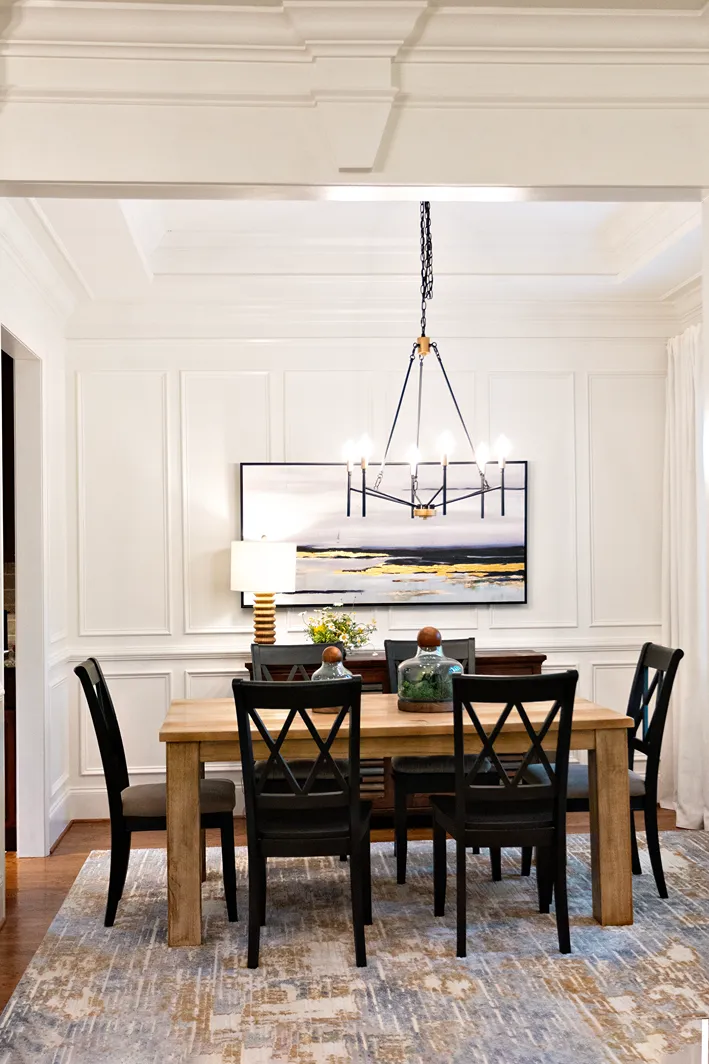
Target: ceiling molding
(26, 247)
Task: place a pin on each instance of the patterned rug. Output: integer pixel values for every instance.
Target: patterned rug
(636, 993)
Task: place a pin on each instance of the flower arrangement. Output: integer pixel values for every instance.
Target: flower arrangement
(326, 626)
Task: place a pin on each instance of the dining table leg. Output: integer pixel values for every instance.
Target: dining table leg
(184, 861)
(609, 800)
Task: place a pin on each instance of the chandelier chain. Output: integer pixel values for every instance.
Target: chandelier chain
(426, 262)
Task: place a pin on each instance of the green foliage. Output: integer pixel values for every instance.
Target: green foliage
(326, 626)
(431, 686)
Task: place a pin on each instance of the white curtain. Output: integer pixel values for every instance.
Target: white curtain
(684, 770)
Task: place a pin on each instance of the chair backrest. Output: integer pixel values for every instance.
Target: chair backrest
(519, 699)
(398, 650)
(302, 659)
(108, 732)
(275, 786)
(648, 705)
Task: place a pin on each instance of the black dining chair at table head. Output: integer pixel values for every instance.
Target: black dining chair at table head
(648, 706)
(143, 807)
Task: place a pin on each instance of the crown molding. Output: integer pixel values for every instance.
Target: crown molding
(30, 255)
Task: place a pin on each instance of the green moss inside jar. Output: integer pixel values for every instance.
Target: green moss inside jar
(425, 682)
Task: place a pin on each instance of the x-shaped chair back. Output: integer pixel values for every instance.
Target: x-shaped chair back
(649, 702)
(486, 779)
(302, 659)
(325, 786)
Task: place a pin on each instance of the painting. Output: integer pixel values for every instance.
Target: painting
(474, 554)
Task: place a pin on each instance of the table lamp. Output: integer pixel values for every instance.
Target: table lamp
(264, 568)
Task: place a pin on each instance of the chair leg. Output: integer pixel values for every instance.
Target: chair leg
(343, 856)
(544, 876)
(561, 899)
(496, 863)
(400, 830)
(461, 899)
(264, 887)
(120, 855)
(653, 845)
(356, 889)
(475, 850)
(367, 877)
(637, 868)
(256, 887)
(229, 868)
(440, 872)
(526, 861)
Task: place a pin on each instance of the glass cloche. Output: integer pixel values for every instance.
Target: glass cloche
(425, 683)
(332, 667)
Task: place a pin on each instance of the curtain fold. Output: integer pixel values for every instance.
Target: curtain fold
(684, 770)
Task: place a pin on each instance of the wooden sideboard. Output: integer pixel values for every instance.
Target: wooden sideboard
(371, 665)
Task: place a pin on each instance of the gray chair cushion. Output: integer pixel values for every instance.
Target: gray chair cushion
(148, 799)
(439, 764)
(578, 781)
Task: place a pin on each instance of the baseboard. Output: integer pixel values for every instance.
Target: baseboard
(59, 816)
(59, 838)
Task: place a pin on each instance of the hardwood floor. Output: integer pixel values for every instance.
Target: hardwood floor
(36, 887)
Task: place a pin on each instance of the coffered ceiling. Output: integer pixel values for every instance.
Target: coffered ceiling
(292, 260)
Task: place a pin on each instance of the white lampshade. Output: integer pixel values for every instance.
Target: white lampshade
(262, 566)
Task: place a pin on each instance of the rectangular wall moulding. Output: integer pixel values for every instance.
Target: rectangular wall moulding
(123, 483)
(536, 411)
(225, 421)
(141, 700)
(626, 425)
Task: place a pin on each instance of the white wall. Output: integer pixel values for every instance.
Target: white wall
(158, 427)
(34, 306)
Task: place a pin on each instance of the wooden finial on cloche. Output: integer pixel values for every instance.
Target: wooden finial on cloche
(331, 655)
(429, 637)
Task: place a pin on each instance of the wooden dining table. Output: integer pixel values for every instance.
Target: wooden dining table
(199, 731)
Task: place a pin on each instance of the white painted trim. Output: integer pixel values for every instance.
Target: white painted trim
(84, 717)
(189, 628)
(83, 629)
(609, 375)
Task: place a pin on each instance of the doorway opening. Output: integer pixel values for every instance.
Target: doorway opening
(7, 386)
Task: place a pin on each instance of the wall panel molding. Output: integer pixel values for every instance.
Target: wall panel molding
(86, 768)
(248, 446)
(521, 617)
(652, 489)
(84, 628)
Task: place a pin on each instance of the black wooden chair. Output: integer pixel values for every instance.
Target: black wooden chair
(423, 775)
(292, 816)
(662, 662)
(302, 659)
(144, 807)
(512, 811)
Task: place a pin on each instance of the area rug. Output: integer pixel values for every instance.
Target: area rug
(636, 993)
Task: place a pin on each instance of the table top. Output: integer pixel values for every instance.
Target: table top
(214, 719)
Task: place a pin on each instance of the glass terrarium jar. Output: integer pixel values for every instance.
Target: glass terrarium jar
(425, 683)
(332, 667)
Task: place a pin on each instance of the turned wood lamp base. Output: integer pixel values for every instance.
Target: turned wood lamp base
(264, 618)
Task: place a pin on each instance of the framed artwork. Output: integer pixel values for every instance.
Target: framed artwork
(475, 554)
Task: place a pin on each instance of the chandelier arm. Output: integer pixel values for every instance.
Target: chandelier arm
(452, 395)
(380, 474)
(435, 496)
(473, 494)
(383, 495)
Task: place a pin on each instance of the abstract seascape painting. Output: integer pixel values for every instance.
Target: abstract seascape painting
(389, 558)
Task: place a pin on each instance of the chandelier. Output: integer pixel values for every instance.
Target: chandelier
(428, 503)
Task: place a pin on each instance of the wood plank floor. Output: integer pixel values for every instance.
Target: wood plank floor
(36, 887)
